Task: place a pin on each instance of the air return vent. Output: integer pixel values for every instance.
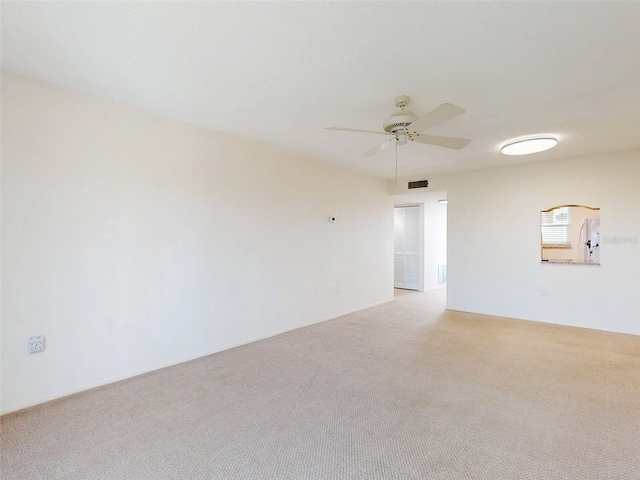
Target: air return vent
(419, 184)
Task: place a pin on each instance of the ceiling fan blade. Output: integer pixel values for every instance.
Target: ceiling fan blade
(447, 142)
(444, 112)
(379, 148)
(356, 130)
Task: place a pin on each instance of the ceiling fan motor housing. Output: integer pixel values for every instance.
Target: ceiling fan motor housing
(400, 120)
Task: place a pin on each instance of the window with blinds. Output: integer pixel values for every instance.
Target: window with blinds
(555, 227)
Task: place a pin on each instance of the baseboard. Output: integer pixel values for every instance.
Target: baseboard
(546, 322)
(118, 378)
(347, 312)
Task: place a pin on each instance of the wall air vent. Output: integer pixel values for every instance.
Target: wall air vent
(419, 184)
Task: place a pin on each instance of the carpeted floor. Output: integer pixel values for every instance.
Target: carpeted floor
(401, 391)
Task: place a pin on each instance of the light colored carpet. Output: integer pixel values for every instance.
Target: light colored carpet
(400, 391)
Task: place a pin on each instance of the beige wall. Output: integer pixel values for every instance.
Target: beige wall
(494, 241)
(132, 242)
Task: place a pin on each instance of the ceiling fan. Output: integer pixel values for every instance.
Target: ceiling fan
(404, 126)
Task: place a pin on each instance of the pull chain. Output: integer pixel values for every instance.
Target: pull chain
(396, 162)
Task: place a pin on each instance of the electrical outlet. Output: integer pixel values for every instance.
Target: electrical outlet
(36, 344)
(334, 290)
(543, 292)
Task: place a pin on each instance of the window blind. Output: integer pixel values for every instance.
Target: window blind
(555, 227)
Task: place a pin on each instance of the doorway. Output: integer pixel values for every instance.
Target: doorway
(407, 247)
(420, 240)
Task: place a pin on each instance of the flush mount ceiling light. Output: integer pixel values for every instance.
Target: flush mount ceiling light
(528, 145)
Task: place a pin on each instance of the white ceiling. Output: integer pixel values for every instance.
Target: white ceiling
(281, 72)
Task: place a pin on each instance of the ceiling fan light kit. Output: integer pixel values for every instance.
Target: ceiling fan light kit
(529, 145)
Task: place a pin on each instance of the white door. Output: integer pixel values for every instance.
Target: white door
(406, 253)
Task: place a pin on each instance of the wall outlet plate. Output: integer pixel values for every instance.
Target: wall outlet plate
(36, 344)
